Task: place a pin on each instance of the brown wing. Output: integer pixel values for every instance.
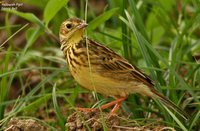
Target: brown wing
(124, 66)
(111, 62)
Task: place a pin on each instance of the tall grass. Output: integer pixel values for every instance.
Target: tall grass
(159, 37)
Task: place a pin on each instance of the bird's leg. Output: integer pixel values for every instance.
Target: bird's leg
(116, 107)
(117, 104)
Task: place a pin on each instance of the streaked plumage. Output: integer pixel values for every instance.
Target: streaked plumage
(102, 70)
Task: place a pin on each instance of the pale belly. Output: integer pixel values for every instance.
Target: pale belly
(107, 86)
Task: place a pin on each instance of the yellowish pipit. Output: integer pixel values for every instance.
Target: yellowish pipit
(100, 69)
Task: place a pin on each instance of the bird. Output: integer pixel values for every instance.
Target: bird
(98, 68)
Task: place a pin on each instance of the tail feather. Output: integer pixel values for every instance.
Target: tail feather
(171, 105)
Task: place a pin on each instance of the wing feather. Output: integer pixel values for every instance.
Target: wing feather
(112, 62)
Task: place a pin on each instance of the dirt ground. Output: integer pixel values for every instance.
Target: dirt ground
(87, 121)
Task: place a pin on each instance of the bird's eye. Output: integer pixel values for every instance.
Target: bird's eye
(69, 26)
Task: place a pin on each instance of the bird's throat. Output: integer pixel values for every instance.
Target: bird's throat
(75, 38)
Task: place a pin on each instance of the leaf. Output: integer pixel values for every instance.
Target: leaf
(32, 107)
(176, 120)
(28, 16)
(59, 115)
(32, 35)
(52, 7)
(101, 19)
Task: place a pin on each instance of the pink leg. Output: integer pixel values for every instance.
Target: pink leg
(117, 103)
(116, 107)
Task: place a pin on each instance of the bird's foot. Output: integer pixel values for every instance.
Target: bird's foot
(118, 102)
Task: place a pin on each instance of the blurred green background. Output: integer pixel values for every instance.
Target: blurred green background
(160, 37)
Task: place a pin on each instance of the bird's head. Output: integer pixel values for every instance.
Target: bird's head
(71, 31)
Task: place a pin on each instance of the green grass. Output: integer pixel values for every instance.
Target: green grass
(160, 37)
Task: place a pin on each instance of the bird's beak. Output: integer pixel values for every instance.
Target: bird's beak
(82, 25)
